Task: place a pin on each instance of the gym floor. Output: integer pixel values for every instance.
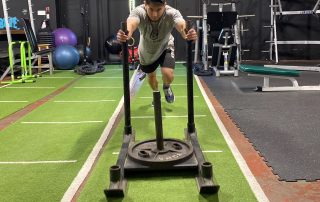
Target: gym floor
(60, 135)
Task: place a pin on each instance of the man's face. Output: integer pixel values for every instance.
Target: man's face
(155, 10)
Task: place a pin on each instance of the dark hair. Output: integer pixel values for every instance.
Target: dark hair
(155, 1)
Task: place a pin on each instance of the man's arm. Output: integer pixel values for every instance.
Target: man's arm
(181, 28)
(132, 25)
(190, 35)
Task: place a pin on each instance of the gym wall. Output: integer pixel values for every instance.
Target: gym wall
(105, 17)
(298, 27)
(19, 9)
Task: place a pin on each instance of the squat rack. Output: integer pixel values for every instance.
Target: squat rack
(8, 30)
(277, 10)
(238, 27)
(205, 29)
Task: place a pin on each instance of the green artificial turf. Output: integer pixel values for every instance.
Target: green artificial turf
(233, 185)
(52, 142)
(26, 96)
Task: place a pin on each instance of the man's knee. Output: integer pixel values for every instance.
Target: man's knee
(168, 72)
(167, 75)
(152, 77)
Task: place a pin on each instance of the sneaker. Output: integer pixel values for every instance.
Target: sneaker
(168, 94)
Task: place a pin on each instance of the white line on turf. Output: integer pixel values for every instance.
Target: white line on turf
(5, 86)
(37, 162)
(59, 122)
(149, 117)
(212, 151)
(82, 101)
(57, 77)
(98, 87)
(63, 70)
(105, 77)
(163, 98)
(12, 101)
(86, 168)
(255, 186)
(30, 87)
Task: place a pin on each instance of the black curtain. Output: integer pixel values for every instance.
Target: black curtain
(105, 17)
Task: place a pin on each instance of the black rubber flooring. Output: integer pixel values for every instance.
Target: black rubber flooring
(284, 127)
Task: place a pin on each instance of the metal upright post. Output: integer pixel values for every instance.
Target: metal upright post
(274, 6)
(277, 10)
(238, 41)
(6, 19)
(9, 37)
(126, 84)
(196, 49)
(237, 37)
(31, 16)
(233, 7)
(280, 6)
(204, 37)
(158, 120)
(271, 30)
(190, 124)
(275, 37)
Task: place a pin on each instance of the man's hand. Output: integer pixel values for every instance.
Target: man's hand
(191, 35)
(121, 36)
(132, 25)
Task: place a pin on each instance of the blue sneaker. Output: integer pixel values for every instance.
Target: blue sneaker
(168, 94)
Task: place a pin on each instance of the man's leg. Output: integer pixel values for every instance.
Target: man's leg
(167, 78)
(167, 66)
(153, 82)
(167, 75)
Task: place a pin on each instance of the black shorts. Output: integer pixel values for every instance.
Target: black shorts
(165, 60)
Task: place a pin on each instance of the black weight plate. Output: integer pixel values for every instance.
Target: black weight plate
(174, 151)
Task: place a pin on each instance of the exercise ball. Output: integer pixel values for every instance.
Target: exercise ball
(64, 36)
(112, 45)
(84, 52)
(65, 57)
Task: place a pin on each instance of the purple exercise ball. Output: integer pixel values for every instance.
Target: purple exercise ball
(64, 36)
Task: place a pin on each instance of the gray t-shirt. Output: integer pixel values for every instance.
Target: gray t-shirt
(155, 37)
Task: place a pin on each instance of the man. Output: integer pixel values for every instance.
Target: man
(156, 20)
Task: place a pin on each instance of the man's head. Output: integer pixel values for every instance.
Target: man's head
(155, 8)
(155, 1)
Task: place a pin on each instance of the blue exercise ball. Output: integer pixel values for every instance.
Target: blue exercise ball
(66, 57)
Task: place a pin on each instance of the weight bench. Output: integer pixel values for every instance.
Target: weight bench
(278, 73)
